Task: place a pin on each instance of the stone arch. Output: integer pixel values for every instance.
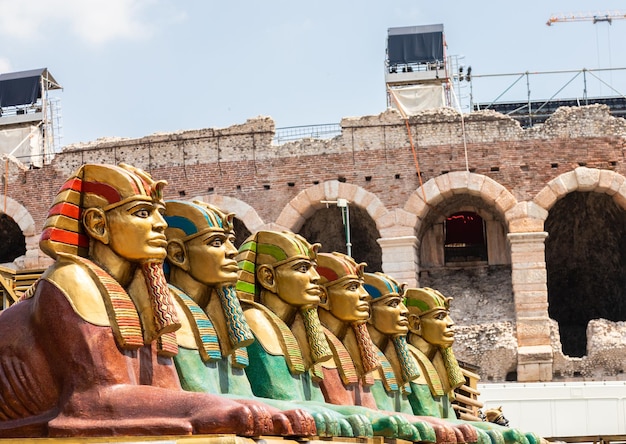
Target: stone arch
(473, 285)
(582, 179)
(436, 190)
(248, 216)
(309, 215)
(25, 221)
(585, 253)
(293, 216)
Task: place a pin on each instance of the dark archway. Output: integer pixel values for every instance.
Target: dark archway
(12, 240)
(241, 232)
(465, 239)
(326, 227)
(586, 264)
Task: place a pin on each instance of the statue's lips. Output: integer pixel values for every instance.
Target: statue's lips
(230, 268)
(363, 307)
(313, 291)
(160, 242)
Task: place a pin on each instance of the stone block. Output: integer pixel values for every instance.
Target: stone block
(587, 178)
(526, 225)
(432, 192)
(533, 331)
(545, 198)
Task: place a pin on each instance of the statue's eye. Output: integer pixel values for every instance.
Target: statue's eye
(216, 242)
(143, 213)
(302, 267)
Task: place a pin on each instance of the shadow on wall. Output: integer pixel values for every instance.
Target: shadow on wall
(12, 240)
(586, 264)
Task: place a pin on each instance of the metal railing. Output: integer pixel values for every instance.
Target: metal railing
(323, 131)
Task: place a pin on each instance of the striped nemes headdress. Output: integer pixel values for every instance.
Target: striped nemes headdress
(380, 286)
(421, 301)
(269, 248)
(335, 268)
(188, 220)
(92, 186)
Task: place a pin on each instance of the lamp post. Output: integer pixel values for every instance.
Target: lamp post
(345, 216)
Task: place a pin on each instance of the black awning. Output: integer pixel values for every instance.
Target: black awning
(415, 44)
(24, 87)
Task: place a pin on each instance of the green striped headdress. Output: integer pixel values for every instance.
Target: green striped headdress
(275, 249)
(421, 301)
(269, 248)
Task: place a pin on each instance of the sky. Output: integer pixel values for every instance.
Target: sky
(131, 68)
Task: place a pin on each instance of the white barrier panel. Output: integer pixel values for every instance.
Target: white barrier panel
(561, 409)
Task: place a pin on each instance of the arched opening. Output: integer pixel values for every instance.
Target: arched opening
(326, 227)
(12, 240)
(465, 239)
(464, 253)
(586, 265)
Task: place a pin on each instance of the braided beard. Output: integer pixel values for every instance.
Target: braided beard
(408, 365)
(165, 317)
(366, 347)
(239, 333)
(320, 350)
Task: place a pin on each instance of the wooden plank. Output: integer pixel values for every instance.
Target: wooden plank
(471, 390)
(7, 288)
(469, 417)
(467, 401)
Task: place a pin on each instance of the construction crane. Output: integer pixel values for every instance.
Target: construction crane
(585, 17)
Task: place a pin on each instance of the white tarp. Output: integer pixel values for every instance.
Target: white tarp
(30, 152)
(413, 99)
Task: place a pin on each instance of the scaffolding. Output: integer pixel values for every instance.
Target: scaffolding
(30, 119)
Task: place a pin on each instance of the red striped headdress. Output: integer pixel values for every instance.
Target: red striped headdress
(92, 185)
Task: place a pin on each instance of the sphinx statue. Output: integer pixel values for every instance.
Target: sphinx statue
(202, 274)
(430, 339)
(344, 312)
(388, 326)
(279, 291)
(88, 350)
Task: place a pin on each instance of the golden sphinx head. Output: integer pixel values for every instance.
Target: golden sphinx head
(200, 241)
(341, 278)
(388, 312)
(109, 189)
(282, 263)
(429, 316)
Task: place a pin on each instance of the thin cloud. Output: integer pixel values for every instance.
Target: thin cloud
(93, 22)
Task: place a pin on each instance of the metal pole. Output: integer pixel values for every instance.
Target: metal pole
(345, 217)
(345, 211)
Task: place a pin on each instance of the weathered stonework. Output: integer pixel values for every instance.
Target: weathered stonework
(371, 165)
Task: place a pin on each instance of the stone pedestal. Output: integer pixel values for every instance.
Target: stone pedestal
(530, 290)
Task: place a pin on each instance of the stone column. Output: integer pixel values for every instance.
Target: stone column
(530, 290)
(400, 258)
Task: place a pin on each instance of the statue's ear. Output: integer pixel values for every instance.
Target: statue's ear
(177, 254)
(414, 324)
(266, 277)
(324, 299)
(95, 223)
